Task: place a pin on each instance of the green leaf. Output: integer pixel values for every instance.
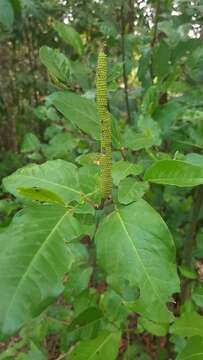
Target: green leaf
(130, 190)
(57, 176)
(89, 179)
(103, 347)
(195, 159)
(193, 349)
(152, 327)
(78, 280)
(69, 35)
(6, 14)
(134, 242)
(86, 324)
(160, 59)
(89, 158)
(121, 169)
(33, 260)
(40, 194)
(60, 146)
(194, 65)
(197, 295)
(174, 172)
(189, 324)
(114, 307)
(187, 273)
(35, 353)
(137, 141)
(116, 133)
(30, 143)
(80, 111)
(57, 63)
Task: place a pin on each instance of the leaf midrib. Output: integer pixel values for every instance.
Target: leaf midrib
(87, 115)
(50, 182)
(101, 345)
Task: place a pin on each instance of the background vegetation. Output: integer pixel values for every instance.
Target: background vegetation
(49, 48)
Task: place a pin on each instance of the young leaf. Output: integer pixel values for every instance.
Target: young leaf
(121, 169)
(69, 35)
(103, 347)
(134, 242)
(80, 111)
(174, 172)
(33, 260)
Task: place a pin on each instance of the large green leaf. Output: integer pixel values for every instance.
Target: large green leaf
(33, 260)
(80, 111)
(134, 242)
(103, 347)
(193, 349)
(69, 35)
(57, 63)
(175, 172)
(189, 324)
(57, 176)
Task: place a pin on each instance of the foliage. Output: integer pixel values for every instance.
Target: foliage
(102, 179)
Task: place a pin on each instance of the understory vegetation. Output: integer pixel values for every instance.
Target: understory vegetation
(101, 136)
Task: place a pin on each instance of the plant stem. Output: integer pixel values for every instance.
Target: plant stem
(125, 77)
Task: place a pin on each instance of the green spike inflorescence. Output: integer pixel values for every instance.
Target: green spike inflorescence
(105, 124)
